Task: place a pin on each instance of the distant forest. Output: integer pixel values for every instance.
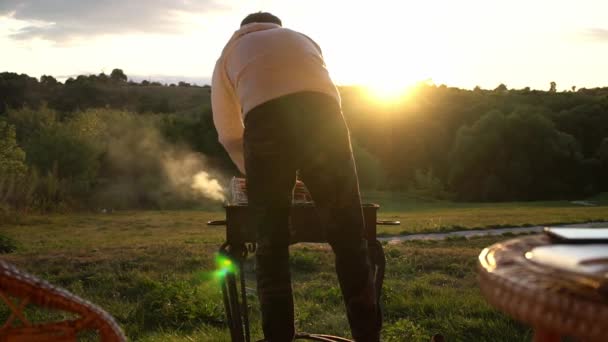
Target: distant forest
(102, 141)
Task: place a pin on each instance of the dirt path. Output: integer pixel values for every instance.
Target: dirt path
(470, 233)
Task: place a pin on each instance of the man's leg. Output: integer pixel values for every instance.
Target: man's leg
(352, 261)
(328, 170)
(270, 181)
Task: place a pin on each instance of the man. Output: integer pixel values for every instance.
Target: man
(277, 112)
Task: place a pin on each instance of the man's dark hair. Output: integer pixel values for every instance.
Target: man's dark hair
(261, 17)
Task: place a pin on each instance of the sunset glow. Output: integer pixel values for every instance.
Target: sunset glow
(386, 46)
(387, 92)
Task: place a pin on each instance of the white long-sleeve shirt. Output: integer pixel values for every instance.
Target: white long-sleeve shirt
(261, 62)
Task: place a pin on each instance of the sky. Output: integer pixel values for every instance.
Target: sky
(466, 43)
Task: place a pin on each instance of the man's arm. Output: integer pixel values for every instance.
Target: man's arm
(227, 115)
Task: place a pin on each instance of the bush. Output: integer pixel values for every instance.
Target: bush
(18, 192)
(16, 184)
(12, 157)
(61, 148)
(51, 191)
(427, 185)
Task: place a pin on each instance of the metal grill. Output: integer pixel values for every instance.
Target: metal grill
(305, 226)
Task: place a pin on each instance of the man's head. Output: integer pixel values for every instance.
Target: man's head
(261, 17)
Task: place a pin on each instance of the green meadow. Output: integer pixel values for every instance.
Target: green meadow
(152, 269)
(418, 216)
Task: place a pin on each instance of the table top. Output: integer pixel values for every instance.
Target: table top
(541, 296)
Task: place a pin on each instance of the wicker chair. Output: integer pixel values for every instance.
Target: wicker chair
(19, 289)
(555, 302)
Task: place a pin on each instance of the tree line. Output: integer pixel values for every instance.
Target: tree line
(488, 145)
(103, 141)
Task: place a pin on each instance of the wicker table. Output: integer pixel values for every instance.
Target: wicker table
(555, 303)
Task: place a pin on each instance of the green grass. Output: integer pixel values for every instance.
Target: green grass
(444, 216)
(152, 271)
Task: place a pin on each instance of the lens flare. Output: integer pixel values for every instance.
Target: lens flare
(224, 266)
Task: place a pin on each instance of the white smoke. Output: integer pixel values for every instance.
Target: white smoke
(144, 169)
(208, 186)
(184, 171)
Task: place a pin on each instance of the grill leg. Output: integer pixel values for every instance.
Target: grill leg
(236, 312)
(244, 301)
(227, 308)
(237, 318)
(378, 261)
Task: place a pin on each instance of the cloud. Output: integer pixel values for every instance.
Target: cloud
(60, 20)
(597, 34)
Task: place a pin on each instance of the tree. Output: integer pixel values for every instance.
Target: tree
(501, 88)
(17, 90)
(553, 87)
(602, 158)
(60, 147)
(48, 80)
(370, 172)
(520, 156)
(427, 185)
(30, 122)
(118, 75)
(17, 185)
(602, 151)
(587, 122)
(12, 157)
(102, 77)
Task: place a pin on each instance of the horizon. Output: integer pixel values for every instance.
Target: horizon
(464, 45)
(206, 82)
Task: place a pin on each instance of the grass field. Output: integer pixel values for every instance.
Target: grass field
(151, 271)
(442, 216)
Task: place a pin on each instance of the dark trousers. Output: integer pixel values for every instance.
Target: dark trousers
(306, 133)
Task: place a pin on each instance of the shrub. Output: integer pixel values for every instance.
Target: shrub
(12, 157)
(427, 185)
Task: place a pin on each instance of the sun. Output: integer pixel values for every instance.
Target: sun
(389, 88)
(388, 92)
(391, 57)
(390, 81)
